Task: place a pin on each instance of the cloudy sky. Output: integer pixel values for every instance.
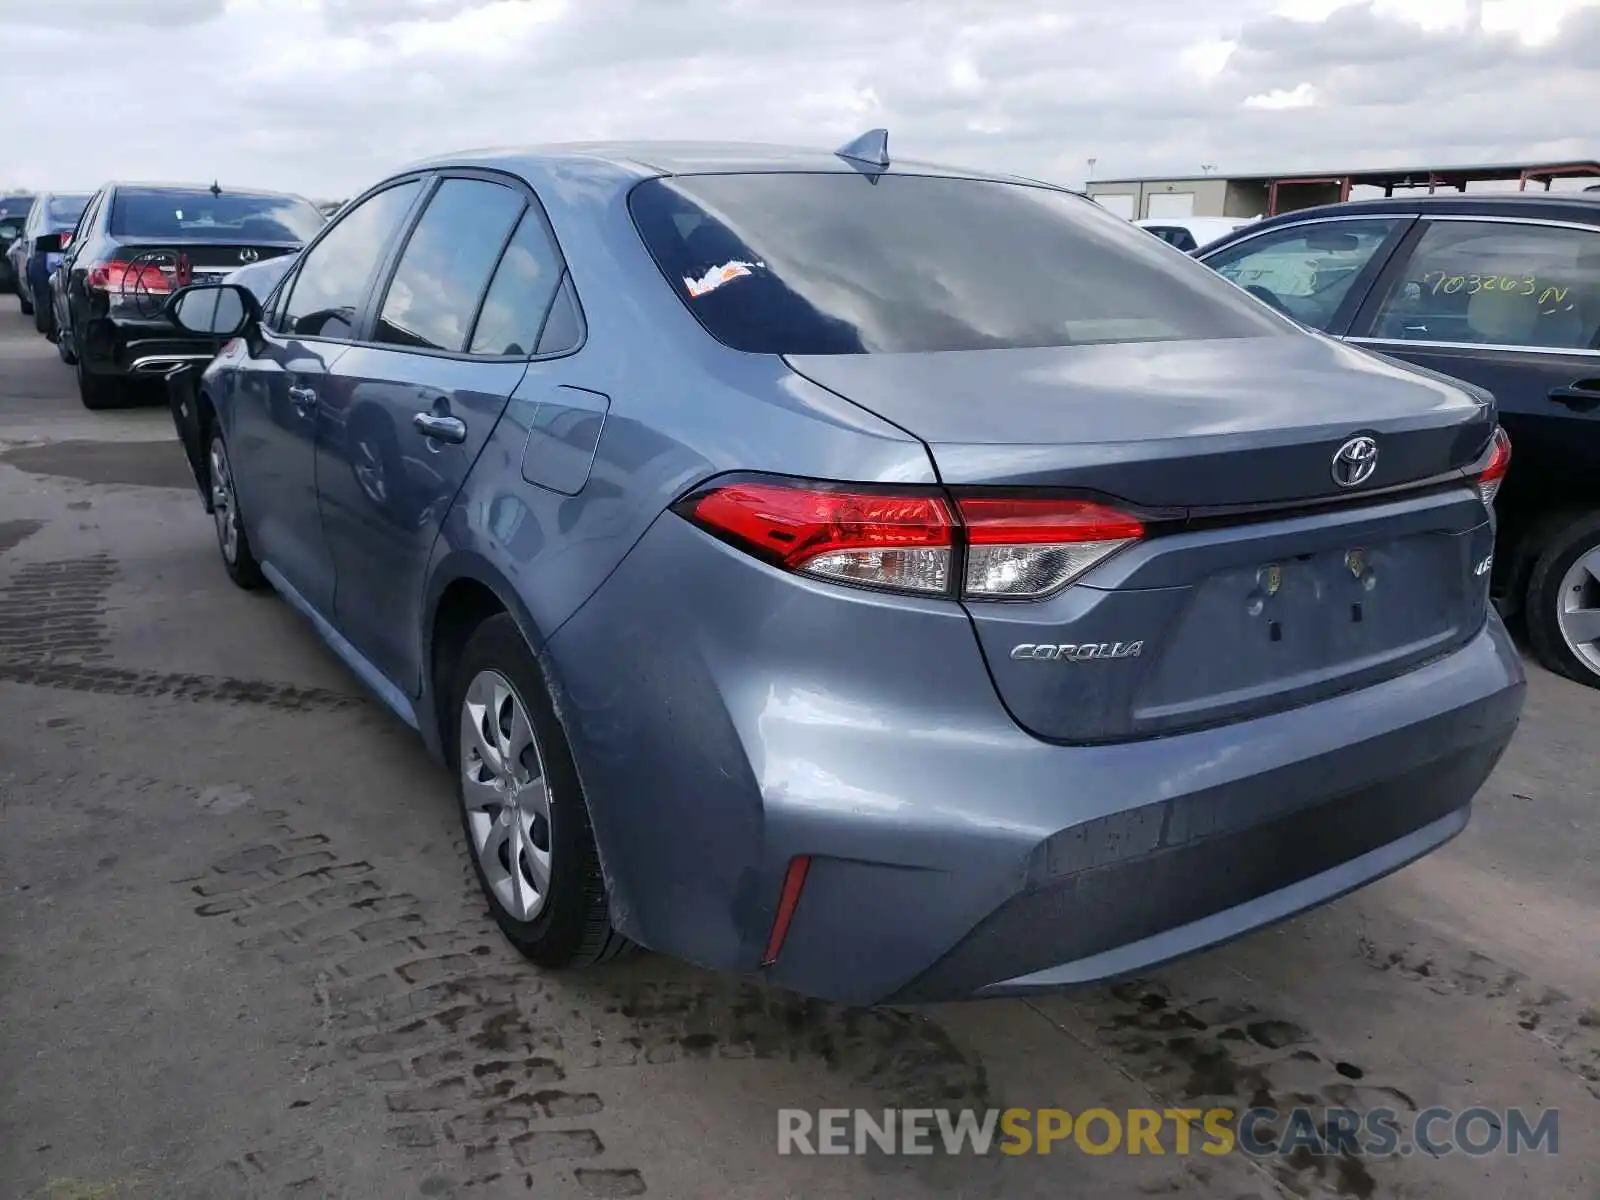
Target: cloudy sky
(324, 96)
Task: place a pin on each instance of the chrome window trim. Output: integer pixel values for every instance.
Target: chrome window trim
(1496, 219)
(1428, 345)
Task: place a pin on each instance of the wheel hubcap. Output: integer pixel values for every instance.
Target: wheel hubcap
(1578, 614)
(222, 506)
(507, 800)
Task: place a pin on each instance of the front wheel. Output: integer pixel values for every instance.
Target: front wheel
(1563, 600)
(237, 557)
(523, 810)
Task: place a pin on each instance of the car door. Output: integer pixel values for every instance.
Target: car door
(61, 283)
(272, 419)
(412, 406)
(1316, 271)
(1512, 305)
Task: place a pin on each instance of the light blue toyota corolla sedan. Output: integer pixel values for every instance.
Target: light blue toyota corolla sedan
(897, 582)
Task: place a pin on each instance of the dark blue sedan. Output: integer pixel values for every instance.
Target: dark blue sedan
(898, 582)
(31, 267)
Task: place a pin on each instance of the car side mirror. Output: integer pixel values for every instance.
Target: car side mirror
(49, 243)
(214, 309)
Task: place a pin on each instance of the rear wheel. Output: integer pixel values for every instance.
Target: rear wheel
(23, 301)
(1562, 610)
(522, 808)
(237, 557)
(44, 319)
(97, 391)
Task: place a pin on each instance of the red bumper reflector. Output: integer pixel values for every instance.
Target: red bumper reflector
(793, 880)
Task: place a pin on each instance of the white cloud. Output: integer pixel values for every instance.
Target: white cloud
(324, 96)
(1303, 95)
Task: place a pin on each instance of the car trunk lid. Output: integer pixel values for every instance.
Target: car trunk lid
(1262, 581)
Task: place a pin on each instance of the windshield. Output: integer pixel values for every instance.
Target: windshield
(838, 263)
(198, 214)
(65, 210)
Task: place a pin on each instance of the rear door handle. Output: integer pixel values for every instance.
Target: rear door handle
(441, 429)
(1582, 395)
(303, 397)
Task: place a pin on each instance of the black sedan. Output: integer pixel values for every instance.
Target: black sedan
(1502, 291)
(138, 243)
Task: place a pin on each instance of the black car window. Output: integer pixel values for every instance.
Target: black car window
(1173, 235)
(333, 278)
(197, 214)
(524, 283)
(840, 263)
(91, 213)
(1497, 284)
(445, 266)
(1304, 270)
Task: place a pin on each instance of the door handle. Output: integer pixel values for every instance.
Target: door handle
(303, 397)
(441, 429)
(1582, 395)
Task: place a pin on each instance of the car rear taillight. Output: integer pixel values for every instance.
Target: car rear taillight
(1012, 548)
(1490, 478)
(118, 277)
(871, 539)
(1023, 548)
(66, 240)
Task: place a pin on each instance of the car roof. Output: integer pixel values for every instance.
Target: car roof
(635, 160)
(140, 186)
(1576, 206)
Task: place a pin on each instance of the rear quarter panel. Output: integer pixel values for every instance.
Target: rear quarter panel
(682, 408)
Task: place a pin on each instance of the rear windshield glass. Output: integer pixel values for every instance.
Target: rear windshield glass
(782, 263)
(65, 210)
(229, 217)
(15, 206)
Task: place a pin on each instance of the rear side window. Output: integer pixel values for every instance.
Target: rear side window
(1304, 270)
(524, 284)
(446, 264)
(198, 214)
(1497, 284)
(333, 278)
(837, 263)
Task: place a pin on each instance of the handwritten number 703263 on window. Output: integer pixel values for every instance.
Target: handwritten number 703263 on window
(1519, 285)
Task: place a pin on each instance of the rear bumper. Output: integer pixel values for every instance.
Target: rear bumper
(727, 717)
(114, 345)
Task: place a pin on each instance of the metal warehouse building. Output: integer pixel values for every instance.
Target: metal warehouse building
(1265, 195)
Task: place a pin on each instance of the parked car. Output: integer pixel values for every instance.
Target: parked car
(137, 243)
(1504, 292)
(51, 213)
(1192, 233)
(260, 279)
(13, 212)
(778, 610)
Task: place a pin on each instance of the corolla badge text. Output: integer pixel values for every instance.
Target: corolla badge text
(1077, 652)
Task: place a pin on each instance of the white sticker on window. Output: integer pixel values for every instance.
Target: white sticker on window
(717, 276)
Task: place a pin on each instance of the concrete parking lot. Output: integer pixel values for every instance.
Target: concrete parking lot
(241, 952)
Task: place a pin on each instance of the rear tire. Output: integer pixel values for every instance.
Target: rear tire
(232, 541)
(44, 319)
(534, 822)
(1563, 588)
(97, 391)
(23, 302)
